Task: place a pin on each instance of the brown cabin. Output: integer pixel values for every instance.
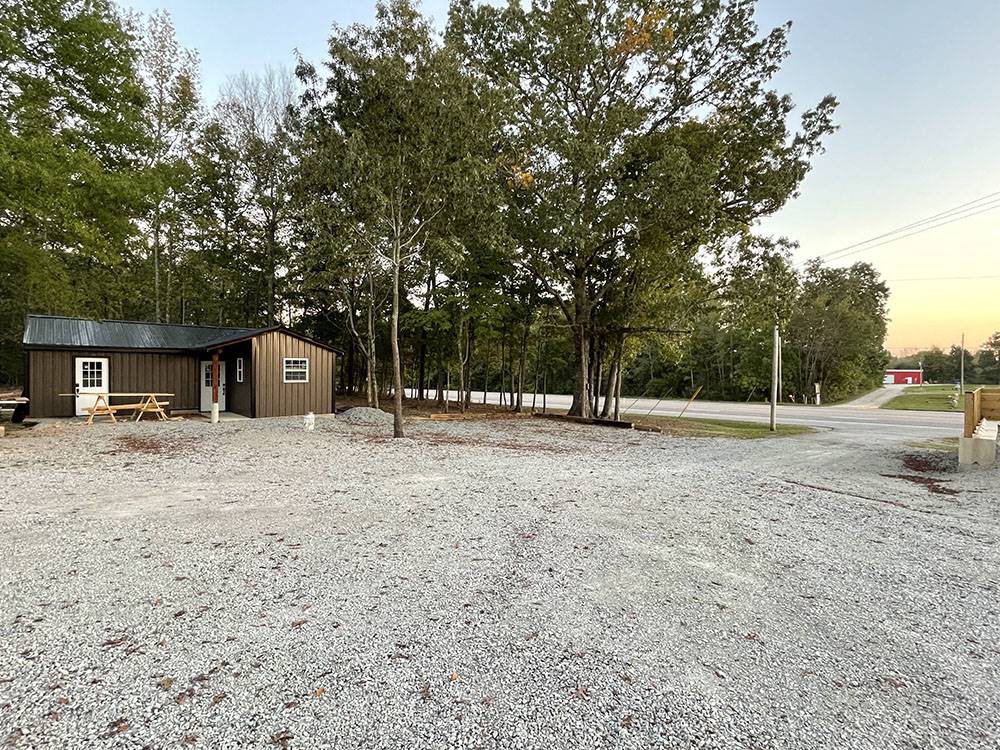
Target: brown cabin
(263, 372)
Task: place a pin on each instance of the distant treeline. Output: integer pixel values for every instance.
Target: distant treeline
(981, 367)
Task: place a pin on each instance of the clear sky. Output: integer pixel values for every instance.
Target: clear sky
(919, 87)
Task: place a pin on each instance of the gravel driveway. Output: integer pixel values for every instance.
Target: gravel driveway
(509, 584)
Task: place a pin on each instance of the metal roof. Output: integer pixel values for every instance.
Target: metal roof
(43, 331)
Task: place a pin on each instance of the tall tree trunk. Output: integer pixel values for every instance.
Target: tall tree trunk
(618, 389)
(271, 268)
(522, 356)
(439, 384)
(397, 370)
(156, 261)
(614, 375)
(582, 340)
(503, 382)
(422, 374)
(468, 363)
(581, 385)
(598, 372)
(371, 359)
(486, 374)
(463, 343)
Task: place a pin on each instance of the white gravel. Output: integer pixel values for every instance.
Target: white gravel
(509, 584)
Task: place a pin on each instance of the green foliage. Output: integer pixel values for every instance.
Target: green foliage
(638, 134)
(71, 146)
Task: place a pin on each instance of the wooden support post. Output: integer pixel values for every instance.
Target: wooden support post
(215, 387)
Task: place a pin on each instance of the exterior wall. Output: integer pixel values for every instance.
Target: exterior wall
(274, 398)
(51, 372)
(903, 377)
(239, 396)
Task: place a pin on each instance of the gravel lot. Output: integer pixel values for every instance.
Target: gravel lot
(514, 584)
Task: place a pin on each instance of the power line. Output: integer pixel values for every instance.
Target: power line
(963, 208)
(841, 254)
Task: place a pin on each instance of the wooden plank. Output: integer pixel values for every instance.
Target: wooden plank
(588, 420)
(972, 413)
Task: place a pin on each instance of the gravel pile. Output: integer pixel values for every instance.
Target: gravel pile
(521, 584)
(363, 415)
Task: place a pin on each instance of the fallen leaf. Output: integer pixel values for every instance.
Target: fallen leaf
(320, 691)
(165, 683)
(291, 704)
(425, 691)
(582, 692)
(299, 623)
(454, 676)
(282, 738)
(218, 698)
(190, 739)
(627, 721)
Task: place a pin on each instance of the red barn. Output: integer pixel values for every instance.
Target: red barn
(903, 377)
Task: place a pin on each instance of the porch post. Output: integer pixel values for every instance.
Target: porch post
(215, 387)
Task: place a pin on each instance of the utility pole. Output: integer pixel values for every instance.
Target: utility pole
(774, 378)
(781, 372)
(961, 367)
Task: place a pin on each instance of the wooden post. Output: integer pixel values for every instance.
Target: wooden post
(215, 387)
(973, 412)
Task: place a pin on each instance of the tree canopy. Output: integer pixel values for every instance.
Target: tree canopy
(560, 195)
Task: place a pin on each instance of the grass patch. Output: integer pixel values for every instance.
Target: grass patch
(927, 398)
(941, 445)
(695, 427)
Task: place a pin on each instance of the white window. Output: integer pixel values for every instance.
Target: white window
(296, 369)
(93, 374)
(239, 369)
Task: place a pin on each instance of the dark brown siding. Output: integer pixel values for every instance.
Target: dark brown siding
(52, 372)
(275, 398)
(239, 396)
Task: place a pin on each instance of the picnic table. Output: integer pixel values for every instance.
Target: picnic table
(17, 406)
(148, 403)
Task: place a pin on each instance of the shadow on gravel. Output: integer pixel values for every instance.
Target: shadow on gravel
(151, 446)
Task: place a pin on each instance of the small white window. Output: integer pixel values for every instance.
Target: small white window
(239, 369)
(296, 369)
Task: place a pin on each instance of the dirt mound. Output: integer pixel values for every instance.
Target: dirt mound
(364, 415)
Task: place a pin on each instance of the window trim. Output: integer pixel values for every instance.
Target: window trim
(284, 369)
(239, 369)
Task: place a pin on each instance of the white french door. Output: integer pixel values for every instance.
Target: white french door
(91, 379)
(206, 386)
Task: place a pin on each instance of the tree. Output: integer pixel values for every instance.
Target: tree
(632, 119)
(989, 359)
(398, 121)
(71, 137)
(837, 329)
(255, 109)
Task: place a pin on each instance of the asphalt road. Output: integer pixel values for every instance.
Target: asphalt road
(857, 420)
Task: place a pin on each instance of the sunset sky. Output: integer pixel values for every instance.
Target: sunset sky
(919, 132)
